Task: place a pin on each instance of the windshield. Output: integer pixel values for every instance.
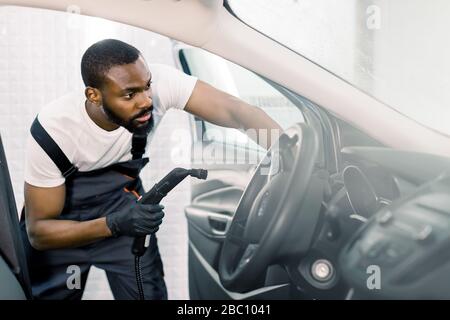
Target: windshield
(396, 51)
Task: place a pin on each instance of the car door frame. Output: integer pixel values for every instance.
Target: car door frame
(14, 268)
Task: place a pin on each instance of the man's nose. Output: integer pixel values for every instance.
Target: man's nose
(145, 100)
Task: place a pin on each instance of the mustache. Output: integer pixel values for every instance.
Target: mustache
(142, 113)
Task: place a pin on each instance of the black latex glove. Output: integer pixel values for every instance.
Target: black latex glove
(135, 221)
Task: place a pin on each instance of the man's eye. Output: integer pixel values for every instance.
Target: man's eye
(129, 95)
(149, 84)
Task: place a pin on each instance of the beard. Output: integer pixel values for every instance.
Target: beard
(130, 124)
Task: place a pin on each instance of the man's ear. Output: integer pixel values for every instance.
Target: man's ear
(93, 95)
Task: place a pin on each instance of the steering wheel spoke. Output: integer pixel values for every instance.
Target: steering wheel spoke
(248, 254)
(239, 241)
(236, 233)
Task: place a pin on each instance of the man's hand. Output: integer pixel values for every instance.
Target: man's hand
(135, 221)
(46, 231)
(220, 108)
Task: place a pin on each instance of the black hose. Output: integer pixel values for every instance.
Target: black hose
(138, 272)
(154, 196)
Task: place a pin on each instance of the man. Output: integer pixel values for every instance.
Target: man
(84, 156)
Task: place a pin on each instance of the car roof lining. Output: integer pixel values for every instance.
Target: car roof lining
(207, 24)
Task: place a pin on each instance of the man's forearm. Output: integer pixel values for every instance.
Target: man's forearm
(266, 129)
(55, 234)
(223, 109)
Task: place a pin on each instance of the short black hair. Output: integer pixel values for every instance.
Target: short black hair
(102, 56)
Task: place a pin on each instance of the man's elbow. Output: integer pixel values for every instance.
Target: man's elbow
(35, 237)
(36, 243)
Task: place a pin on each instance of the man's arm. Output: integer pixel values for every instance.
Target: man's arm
(225, 110)
(43, 207)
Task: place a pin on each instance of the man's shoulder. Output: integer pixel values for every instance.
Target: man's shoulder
(63, 121)
(62, 113)
(164, 71)
(172, 86)
(60, 120)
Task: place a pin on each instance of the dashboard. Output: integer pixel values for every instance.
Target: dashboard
(386, 209)
(369, 188)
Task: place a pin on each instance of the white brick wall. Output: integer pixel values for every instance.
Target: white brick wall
(40, 54)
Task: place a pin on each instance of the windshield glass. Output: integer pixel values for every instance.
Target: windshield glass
(396, 51)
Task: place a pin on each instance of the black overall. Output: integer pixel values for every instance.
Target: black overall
(90, 195)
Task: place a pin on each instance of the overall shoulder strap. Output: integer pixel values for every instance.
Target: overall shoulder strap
(138, 143)
(52, 149)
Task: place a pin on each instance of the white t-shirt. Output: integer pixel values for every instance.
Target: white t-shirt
(84, 143)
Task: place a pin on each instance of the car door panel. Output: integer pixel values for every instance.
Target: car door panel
(210, 287)
(209, 215)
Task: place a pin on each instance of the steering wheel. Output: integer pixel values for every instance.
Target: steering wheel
(277, 213)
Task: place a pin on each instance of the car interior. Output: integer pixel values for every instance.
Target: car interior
(351, 190)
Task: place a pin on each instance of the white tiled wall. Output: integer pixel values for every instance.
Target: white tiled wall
(40, 54)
